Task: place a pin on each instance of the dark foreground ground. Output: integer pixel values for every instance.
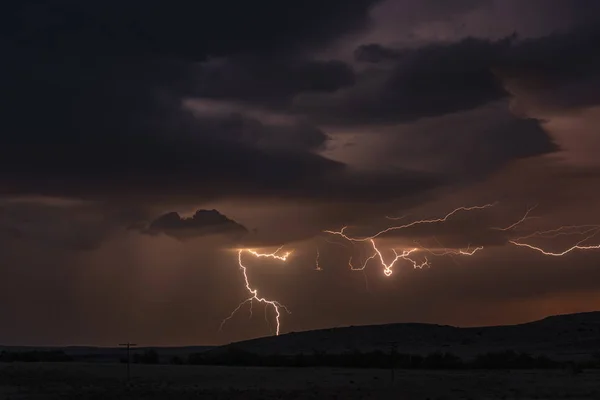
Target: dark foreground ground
(106, 381)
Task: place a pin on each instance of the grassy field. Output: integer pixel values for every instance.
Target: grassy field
(107, 381)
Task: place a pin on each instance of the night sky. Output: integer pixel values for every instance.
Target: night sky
(143, 143)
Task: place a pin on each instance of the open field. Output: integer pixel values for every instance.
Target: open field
(569, 338)
(107, 381)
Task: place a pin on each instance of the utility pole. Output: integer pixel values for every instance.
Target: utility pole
(128, 346)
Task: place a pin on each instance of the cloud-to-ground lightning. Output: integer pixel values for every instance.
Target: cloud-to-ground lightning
(416, 256)
(254, 292)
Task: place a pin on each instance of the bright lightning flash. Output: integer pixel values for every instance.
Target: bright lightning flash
(273, 255)
(254, 292)
(585, 232)
(588, 231)
(409, 225)
(406, 253)
(387, 268)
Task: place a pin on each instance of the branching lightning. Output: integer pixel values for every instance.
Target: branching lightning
(406, 254)
(519, 222)
(589, 232)
(454, 252)
(578, 246)
(254, 292)
(416, 256)
(273, 255)
(566, 230)
(409, 225)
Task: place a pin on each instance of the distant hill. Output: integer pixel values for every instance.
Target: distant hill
(562, 337)
(111, 354)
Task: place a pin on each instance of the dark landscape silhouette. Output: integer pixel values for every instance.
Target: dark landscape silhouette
(552, 342)
(556, 357)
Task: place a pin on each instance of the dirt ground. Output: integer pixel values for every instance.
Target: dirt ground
(107, 381)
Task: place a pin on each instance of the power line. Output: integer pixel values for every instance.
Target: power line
(128, 346)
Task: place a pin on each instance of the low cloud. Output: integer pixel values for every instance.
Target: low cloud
(110, 122)
(542, 82)
(268, 81)
(404, 84)
(421, 82)
(202, 223)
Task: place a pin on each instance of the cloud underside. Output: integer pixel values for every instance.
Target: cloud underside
(151, 116)
(113, 121)
(202, 223)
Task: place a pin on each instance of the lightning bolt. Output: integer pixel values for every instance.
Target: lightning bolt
(562, 231)
(387, 268)
(397, 218)
(405, 255)
(362, 267)
(454, 252)
(341, 232)
(317, 266)
(273, 255)
(254, 292)
(238, 308)
(578, 246)
(519, 222)
(413, 256)
(589, 230)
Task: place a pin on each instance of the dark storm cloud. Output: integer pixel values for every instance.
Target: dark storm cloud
(179, 29)
(201, 159)
(202, 223)
(239, 129)
(406, 84)
(376, 53)
(109, 118)
(423, 82)
(270, 81)
(553, 16)
(561, 70)
(106, 149)
(104, 130)
(410, 22)
(469, 145)
(92, 96)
